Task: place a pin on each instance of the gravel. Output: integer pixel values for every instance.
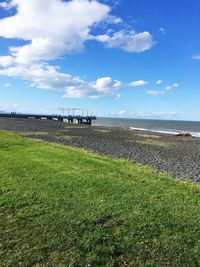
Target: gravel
(179, 156)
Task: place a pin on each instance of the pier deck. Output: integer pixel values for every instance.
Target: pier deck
(69, 118)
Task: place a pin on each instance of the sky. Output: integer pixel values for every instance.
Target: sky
(125, 58)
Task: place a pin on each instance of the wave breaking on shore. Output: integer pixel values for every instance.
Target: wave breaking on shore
(194, 134)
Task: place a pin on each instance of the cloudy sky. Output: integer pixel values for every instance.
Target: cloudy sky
(119, 58)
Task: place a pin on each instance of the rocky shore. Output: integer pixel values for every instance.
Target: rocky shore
(178, 155)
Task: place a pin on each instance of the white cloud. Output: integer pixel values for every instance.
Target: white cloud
(6, 61)
(155, 92)
(143, 114)
(55, 28)
(105, 83)
(138, 83)
(131, 42)
(162, 30)
(196, 57)
(159, 82)
(104, 86)
(49, 77)
(41, 76)
(170, 87)
(175, 85)
(7, 85)
(122, 112)
(161, 92)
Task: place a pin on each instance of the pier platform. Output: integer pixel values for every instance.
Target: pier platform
(68, 118)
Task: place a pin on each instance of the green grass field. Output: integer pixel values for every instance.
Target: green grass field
(61, 206)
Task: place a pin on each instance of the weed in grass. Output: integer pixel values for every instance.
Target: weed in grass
(102, 130)
(153, 143)
(67, 137)
(154, 136)
(33, 133)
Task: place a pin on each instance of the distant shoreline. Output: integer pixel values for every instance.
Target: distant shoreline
(164, 132)
(157, 126)
(151, 131)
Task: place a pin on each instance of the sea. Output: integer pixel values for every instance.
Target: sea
(159, 126)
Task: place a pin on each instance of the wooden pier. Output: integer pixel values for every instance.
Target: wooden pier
(80, 119)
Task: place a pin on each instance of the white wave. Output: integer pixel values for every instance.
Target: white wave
(195, 134)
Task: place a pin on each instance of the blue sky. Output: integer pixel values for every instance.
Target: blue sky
(119, 58)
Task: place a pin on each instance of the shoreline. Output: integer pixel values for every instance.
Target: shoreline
(194, 134)
(174, 133)
(179, 156)
(157, 126)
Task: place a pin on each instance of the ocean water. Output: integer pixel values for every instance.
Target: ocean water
(161, 126)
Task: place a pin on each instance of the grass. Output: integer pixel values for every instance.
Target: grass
(61, 206)
(102, 130)
(150, 136)
(68, 137)
(153, 143)
(33, 133)
(65, 137)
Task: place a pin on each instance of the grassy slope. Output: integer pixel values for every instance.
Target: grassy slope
(61, 205)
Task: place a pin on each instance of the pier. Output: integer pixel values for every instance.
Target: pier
(69, 118)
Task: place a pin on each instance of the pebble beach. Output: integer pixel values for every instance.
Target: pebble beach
(179, 156)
